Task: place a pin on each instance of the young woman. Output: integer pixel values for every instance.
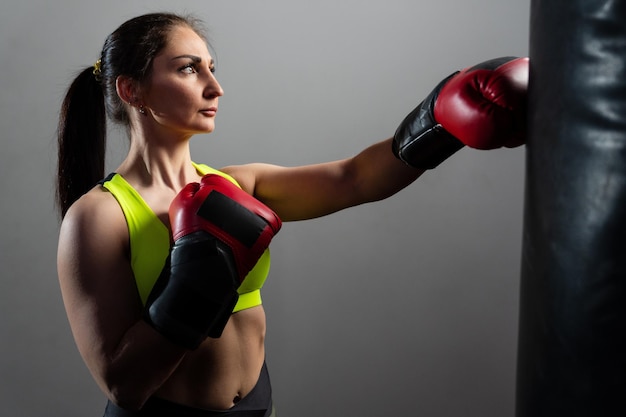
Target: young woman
(156, 77)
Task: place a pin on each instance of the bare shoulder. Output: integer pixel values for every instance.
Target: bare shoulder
(95, 214)
(93, 238)
(248, 175)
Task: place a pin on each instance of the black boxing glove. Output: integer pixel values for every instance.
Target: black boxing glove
(219, 233)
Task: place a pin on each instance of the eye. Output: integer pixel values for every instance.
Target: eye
(189, 69)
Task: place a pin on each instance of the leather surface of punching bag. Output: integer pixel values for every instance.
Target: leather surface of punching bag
(572, 329)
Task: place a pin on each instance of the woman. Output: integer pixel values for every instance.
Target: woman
(156, 77)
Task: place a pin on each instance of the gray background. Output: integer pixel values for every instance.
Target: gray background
(402, 307)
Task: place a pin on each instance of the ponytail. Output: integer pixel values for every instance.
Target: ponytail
(82, 139)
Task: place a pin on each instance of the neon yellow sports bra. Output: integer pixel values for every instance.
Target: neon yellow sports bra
(150, 241)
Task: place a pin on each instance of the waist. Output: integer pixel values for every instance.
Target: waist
(220, 370)
(257, 403)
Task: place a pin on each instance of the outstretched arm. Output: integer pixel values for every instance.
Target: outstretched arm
(305, 192)
(482, 107)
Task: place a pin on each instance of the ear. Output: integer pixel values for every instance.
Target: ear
(127, 89)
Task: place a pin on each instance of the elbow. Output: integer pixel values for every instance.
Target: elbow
(127, 399)
(125, 392)
(354, 184)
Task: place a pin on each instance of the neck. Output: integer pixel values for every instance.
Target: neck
(155, 160)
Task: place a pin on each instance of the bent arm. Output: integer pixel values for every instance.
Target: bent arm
(127, 358)
(311, 191)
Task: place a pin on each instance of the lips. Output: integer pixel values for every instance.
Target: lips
(210, 111)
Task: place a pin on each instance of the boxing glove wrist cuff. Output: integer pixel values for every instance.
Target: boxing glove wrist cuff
(421, 142)
(429, 149)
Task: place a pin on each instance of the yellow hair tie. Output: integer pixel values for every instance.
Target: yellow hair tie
(97, 69)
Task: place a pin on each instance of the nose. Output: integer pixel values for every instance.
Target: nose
(213, 88)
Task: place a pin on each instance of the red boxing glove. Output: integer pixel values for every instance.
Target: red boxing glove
(483, 107)
(219, 233)
(225, 211)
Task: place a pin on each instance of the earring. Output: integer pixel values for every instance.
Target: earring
(141, 109)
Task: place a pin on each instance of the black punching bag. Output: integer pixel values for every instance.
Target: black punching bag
(572, 331)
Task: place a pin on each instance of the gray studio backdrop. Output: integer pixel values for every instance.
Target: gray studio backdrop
(402, 307)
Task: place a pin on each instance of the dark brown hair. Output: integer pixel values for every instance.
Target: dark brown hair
(129, 51)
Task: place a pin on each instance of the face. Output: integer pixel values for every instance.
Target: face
(182, 92)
